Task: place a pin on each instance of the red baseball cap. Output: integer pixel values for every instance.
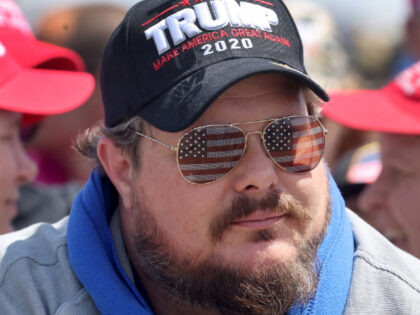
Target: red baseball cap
(17, 36)
(393, 109)
(40, 92)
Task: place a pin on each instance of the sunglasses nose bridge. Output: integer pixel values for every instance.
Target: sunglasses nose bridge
(255, 132)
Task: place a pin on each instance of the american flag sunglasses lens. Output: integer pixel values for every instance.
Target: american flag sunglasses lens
(295, 143)
(208, 153)
(205, 154)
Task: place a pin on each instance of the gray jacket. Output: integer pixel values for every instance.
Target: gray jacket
(36, 278)
(44, 203)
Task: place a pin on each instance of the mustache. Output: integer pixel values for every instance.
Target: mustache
(243, 206)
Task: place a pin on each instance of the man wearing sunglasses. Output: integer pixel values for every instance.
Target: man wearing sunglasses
(211, 196)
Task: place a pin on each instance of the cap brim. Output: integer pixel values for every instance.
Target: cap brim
(31, 53)
(184, 103)
(45, 92)
(374, 110)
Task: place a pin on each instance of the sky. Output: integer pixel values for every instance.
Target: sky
(386, 15)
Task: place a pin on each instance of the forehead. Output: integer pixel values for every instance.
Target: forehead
(400, 149)
(259, 96)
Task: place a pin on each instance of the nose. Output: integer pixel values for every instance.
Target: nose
(256, 172)
(374, 196)
(27, 168)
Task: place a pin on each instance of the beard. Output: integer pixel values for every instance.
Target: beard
(269, 287)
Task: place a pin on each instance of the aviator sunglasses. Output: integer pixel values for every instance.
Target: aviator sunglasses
(207, 153)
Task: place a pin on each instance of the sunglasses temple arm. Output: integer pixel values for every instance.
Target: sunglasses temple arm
(325, 130)
(157, 141)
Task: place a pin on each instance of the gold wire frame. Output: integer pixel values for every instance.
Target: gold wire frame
(235, 125)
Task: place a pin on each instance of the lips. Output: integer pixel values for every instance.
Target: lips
(259, 220)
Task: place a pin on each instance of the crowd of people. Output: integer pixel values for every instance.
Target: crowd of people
(206, 157)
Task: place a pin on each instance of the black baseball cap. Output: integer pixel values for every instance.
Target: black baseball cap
(169, 60)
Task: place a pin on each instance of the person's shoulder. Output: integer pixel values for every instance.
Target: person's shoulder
(373, 248)
(44, 203)
(385, 279)
(35, 274)
(38, 241)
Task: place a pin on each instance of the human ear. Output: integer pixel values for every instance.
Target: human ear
(118, 167)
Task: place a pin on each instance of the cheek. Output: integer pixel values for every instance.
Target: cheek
(313, 192)
(182, 210)
(8, 187)
(8, 170)
(5, 219)
(404, 199)
(314, 188)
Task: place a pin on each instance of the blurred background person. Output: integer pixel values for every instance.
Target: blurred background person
(390, 204)
(84, 29)
(39, 203)
(16, 167)
(33, 94)
(375, 45)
